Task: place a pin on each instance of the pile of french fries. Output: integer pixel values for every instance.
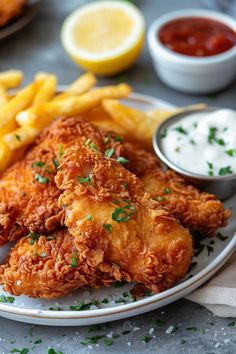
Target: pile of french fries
(26, 112)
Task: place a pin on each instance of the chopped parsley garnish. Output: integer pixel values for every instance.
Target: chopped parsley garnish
(60, 152)
(122, 160)
(119, 301)
(210, 165)
(109, 153)
(181, 130)
(108, 342)
(231, 324)
(123, 214)
(41, 179)
(231, 152)
(18, 137)
(84, 179)
(38, 341)
(21, 351)
(192, 142)
(210, 173)
(57, 308)
(195, 125)
(210, 250)
(93, 147)
(32, 236)
(104, 301)
(191, 328)
(52, 351)
(91, 340)
(55, 163)
(126, 185)
(118, 138)
(124, 333)
(221, 237)
(7, 299)
(119, 284)
(107, 227)
(38, 164)
(82, 306)
(89, 217)
(74, 261)
(212, 135)
(163, 133)
(146, 339)
(167, 190)
(220, 142)
(223, 171)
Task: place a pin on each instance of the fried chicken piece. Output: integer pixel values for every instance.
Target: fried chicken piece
(116, 223)
(196, 210)
(28, 193)
(10, 9)
(48, 267)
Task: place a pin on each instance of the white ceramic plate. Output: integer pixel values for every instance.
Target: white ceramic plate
(37, 311)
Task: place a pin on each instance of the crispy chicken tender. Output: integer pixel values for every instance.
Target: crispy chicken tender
(48, 268)
(194, 209)
(28, 193)
(115, 223)
(10, 9)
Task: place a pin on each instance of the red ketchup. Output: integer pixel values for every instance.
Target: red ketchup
(197, 36)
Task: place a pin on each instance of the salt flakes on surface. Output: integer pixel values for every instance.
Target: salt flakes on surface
(151, 330)
(226, 340)
(217, 345)
(136, 328)
(129, 344)
(169, 329)
(109, 335)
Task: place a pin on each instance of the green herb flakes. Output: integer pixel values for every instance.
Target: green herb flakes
(85, 179)
(231, 324)
(40, 179)
(91, 340)
(223, 171)
(231, 152)
(108, 153)
(38, 164)
(108, 227)
(89, 217)
(108, 342)
(21, 351)
(123, 214)
(74, 261)
(181, 130)
(32, 236)
(118, 138)
(146, 339)
(7, 299)
(122, 160)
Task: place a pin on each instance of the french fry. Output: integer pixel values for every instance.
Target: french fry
(21, 101)
(40, 76)
(46, 91)
(5, 155)
(11, 78)
(42, 115)
(135, 123)
(3, 96)
(83, 84)
(20, 137)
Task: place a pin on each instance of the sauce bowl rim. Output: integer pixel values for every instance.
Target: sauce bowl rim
(165, 160)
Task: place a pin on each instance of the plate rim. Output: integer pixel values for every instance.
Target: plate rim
(191, 283)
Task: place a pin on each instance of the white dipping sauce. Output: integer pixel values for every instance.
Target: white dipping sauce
(203, 143)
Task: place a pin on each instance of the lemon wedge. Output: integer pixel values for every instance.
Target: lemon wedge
(105, 37)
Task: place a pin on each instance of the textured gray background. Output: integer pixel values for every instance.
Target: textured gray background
(37, 47)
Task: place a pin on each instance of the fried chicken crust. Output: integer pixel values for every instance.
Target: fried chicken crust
(28, 193)
(10, 9)
(49, 268)
(115, 222)
(194, 209)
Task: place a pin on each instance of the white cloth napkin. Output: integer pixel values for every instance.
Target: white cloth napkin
(219, 294)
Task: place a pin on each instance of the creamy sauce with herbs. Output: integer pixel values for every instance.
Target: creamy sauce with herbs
(203, 143)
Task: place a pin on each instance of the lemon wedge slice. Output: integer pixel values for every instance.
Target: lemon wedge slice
(104, 37)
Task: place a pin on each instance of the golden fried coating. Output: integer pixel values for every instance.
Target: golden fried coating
(196, 210)
(115, 222)
(48, 267)
(10, 9)
(28, 194)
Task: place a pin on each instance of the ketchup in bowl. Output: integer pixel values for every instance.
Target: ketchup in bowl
(197, 36)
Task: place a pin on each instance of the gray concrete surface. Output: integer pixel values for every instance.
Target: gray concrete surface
(37, 47)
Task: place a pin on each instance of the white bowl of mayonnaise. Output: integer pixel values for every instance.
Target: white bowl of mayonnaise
(201, 146)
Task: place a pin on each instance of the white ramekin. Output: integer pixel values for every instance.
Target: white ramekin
(198, 75)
